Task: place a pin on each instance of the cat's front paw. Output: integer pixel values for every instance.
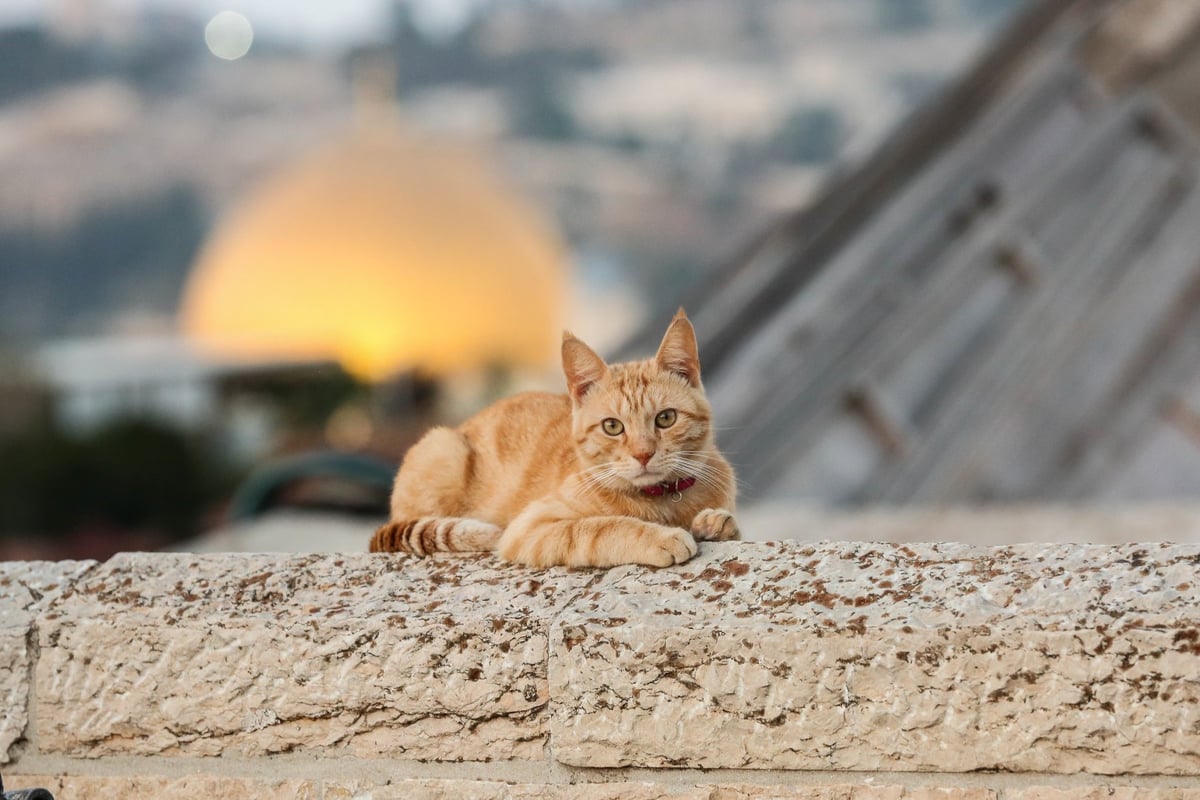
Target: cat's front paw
(715, 525)
(669, 546)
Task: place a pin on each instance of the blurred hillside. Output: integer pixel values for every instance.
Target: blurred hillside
(313, 177)
(656, 134)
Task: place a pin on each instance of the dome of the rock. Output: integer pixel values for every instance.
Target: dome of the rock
(386, 253)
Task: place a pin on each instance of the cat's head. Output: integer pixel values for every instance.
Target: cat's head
(640, 423)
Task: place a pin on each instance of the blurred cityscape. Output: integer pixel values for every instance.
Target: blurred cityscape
(247, 257)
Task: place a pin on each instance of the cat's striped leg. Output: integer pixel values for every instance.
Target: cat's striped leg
(435, 534)
(544, 536)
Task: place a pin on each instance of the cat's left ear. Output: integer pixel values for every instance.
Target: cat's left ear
(678, 352)
(581, 365)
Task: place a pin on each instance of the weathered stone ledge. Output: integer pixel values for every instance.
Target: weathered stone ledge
(946, 657)
(301, 776)
(860, 660)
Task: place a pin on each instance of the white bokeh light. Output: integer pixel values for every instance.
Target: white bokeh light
(229, 35)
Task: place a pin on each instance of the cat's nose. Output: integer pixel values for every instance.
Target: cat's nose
(644, 458)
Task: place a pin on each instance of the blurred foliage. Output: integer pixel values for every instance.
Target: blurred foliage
(309, 401)
(301, 398)
(133, 475)
(809, 136)
(541, 112)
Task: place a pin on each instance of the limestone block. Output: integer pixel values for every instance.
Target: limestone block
(25, 588)
(1103, 793)
(14, 688)
(852, 656)
(189, 787)
(486, 790)
(359, 654)
(417, 790)
(616, 791)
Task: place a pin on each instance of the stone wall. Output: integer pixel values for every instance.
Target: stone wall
(757, 670)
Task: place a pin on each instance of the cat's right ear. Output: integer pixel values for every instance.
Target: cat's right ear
(581, 365)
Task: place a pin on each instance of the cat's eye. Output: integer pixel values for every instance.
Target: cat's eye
(612, 426)
(665, 418)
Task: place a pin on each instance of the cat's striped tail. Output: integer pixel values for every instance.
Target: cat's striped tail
(435, 534)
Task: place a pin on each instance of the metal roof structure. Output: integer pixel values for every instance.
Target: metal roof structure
(1002, 304)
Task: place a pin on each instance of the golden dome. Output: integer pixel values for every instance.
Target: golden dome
(386, 253)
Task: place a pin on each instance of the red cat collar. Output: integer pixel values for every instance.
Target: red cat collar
(669, 487)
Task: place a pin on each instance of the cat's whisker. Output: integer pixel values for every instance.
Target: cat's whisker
(590, 483)
(693, 456)
(608, 480)
(597, 477)
(697, 471)
(701, 470)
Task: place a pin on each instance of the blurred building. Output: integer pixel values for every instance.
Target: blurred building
(91, 383)
(405, 260)
(1002, 303)
(387, 252)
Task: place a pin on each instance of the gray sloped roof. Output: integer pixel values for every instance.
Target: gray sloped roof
(1002, 304)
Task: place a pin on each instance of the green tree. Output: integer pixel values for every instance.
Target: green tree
(134, 475)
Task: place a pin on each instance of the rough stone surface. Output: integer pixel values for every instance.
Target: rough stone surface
(26, 587)
(190, 787)
(838, 656)
(249, 654)
(14, 688)
(1052, 658)
(1102, 793)
(483, 790)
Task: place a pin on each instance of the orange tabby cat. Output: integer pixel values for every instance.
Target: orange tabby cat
(621, 470)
